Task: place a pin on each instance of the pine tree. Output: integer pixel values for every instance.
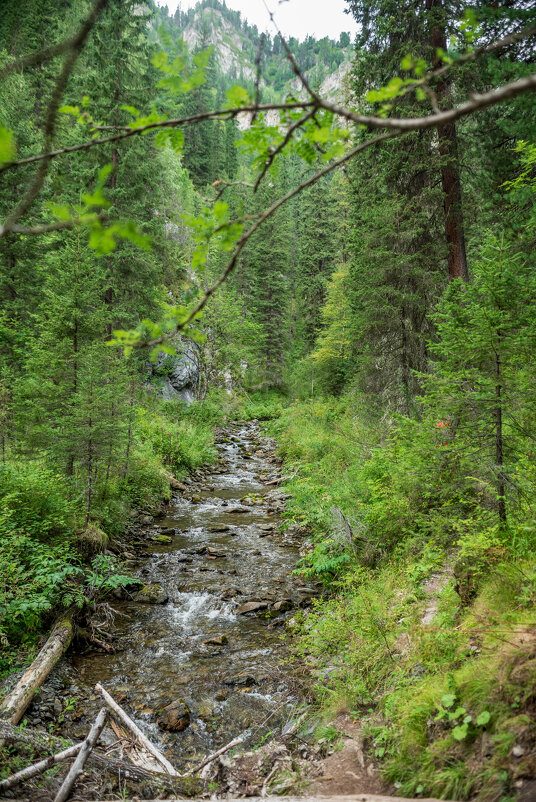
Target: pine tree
(482, 385)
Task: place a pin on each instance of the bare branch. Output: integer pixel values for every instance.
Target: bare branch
(63, 225)
(126, 133)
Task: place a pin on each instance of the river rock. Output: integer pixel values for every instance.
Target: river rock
(165, 539)
(147, 520)
(251, 607)
(236, 510)
(214, 552)
(283, 606)
(219, 528)
(217, 640)
(175, 717)
(152, 594)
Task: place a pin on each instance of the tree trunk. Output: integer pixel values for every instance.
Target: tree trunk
(16, 702)
(448, 150)
(499, 445)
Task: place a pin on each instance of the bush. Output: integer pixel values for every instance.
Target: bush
(182, 445)
(35, 500)
(34, 578)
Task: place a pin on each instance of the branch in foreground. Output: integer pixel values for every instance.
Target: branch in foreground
(262, 218)
(50, 125)
(476, 103)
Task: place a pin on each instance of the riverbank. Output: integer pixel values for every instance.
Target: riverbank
(425, 632)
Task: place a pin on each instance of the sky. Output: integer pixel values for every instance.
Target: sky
(297, 18)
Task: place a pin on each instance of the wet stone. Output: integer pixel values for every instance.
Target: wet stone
(175, 717)
(251, 607)
(152, 594)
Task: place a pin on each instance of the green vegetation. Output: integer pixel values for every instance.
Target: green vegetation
(382, 318)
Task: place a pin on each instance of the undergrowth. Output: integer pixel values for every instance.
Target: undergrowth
(425, 630)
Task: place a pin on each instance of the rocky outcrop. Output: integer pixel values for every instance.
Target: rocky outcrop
(177, 376)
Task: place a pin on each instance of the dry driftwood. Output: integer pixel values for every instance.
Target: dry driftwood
(85, 751)
(39, 768)
(136, 753)
(212, 757)
(120, 713)
(16, 702)
(41, 740)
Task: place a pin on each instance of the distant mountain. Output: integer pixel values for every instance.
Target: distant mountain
(238, 45)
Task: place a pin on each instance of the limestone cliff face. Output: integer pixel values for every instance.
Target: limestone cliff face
(235, 55)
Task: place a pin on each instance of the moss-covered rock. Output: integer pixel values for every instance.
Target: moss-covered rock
(92, 540)
(152, 594)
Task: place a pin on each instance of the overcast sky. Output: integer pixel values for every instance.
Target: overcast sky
(295, 17)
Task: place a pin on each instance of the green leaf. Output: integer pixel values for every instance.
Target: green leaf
(483, 718)
(407, 63)
(238, 97)
(448, 699)
(460, 732)
(74, 111)
(7, 146)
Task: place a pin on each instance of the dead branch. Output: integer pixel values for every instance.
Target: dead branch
(215, 755)
(39, 768)
(85, 751)
(120, 713)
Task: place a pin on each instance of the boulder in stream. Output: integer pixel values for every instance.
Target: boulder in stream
(251, 607)
(152, 594)
(175, 717)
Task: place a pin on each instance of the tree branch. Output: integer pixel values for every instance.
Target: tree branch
(50, 124)
(290, 133)
(244, 239)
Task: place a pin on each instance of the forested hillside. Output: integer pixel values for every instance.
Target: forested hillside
(201, 222)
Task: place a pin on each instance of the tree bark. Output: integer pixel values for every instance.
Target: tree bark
(499, 444)
(16, 702)
(448, 150)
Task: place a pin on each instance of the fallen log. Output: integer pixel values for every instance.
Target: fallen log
(85, 751)
(120, 713)
(14, 705)
(39, 768)
(42, 740)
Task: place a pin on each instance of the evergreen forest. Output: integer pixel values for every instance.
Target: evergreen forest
(332, 242)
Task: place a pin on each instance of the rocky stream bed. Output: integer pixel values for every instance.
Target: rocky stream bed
(199, 654)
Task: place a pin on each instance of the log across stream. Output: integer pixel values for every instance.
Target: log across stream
(220, 665)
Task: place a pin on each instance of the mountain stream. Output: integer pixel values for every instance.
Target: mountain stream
(203, 649)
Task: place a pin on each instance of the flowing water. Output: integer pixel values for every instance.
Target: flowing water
(227, 550)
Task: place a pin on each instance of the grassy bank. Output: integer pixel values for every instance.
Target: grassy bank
(426, 628)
